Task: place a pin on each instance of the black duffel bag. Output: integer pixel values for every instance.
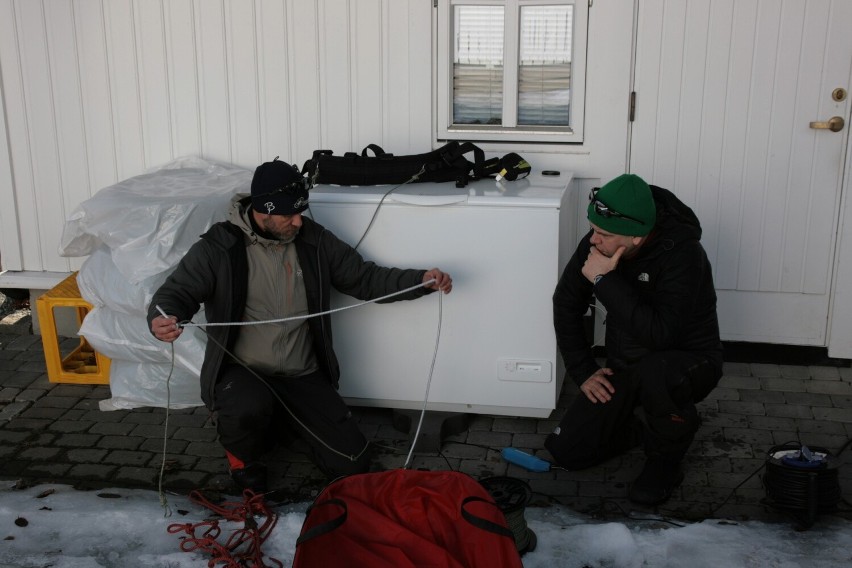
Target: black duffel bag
(447, 163)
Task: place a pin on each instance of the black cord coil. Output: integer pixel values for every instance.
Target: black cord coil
(802, 480)
(512, 496)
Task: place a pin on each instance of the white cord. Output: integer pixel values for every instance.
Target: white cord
(428, 384)
(292, 318)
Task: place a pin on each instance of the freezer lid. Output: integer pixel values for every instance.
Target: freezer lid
(535, 190)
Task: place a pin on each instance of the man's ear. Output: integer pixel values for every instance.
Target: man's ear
(638, 240)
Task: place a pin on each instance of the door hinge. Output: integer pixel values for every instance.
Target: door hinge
(632, 111)
(434, 3)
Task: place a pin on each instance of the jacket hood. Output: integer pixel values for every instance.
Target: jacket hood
(676, 222)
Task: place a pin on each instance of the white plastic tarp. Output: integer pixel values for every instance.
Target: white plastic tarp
(134, 234)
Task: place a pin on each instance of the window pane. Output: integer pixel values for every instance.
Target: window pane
(544, 74)
(478, 65)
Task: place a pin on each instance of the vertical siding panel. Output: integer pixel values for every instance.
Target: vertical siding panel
(274, 81)
(213, 84)
(646, 86)
(241, 44)
(712, 128)
(304, 64)
(692, 102)
(760, 123)
(368, 72)
(775, 262)
(153, 82)
(44, 206)
(397, 87)
(418, 75)
(124, 87)
(825, 200)
(668, 110)
(335, 50)
(180, 34)
(96, 100)
(68, 117)
(15, 171)
(733, 153)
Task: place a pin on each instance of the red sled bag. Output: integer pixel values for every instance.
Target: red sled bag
(406, 519)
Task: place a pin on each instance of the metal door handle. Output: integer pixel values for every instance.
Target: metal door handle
(835, 124)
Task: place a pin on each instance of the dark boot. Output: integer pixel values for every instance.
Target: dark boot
(252, 476)
(659, 478)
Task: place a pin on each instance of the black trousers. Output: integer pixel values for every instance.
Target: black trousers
(252, 417)
(666, 385)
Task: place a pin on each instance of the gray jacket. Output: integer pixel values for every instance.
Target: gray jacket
(214, 272)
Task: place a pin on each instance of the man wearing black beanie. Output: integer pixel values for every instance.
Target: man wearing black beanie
(273, 382)
(644, 263)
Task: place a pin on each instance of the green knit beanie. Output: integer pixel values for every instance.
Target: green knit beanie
(624, 206)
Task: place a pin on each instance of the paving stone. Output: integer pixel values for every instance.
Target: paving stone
(77, 440)
(94, 455)
(111, 428)
(135, 476)
(739, 407)
(96, 471)
(829, 387)
(18, 379)
(765, 370)
(172, 446)
(121, 442)
(724, 393)
(737, 382)
(771, 423)
(749, 436)
(39, 454)
(766, 397)
(13, 410)
(784, 385)
(8, 395)
(514, 426)
(821, 427)
(195, 434)
(737, 369)
(842, 415)
(51, 470)
(497, 440)
(30, 395)
(794, 371)
(788, 411)
(127, 457)
(807, 399)
(68, 427)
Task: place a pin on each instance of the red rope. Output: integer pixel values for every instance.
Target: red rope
(243, 547)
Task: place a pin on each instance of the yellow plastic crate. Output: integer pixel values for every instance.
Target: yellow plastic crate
(83, 365)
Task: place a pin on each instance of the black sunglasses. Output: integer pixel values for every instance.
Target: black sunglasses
(292, 187)
(605, 210)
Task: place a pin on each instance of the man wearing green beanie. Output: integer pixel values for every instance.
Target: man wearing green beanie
(644, 263)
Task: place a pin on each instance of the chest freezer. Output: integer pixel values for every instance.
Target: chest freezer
(504, 244)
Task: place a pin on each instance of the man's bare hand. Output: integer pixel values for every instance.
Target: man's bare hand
(597, 388)
(166, 329)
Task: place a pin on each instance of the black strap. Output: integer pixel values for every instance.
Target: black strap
(481, 523)
(327, 526)
(377, 151)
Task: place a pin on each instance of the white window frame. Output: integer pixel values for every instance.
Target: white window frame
(509, 131)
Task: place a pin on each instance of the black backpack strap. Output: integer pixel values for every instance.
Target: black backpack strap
(481, 523)
(327, 526)
(377, 151)
(453, 154)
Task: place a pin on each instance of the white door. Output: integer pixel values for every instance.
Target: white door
(725, 94)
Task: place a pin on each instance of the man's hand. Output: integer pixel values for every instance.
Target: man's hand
(597, 388)
(166, 329)
(598, 263)
(443, 281)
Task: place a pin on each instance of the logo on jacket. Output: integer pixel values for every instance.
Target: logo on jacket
(643, 277)
(270, 207)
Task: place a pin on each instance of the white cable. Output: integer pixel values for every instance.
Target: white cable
(292, 318)
(428, 384)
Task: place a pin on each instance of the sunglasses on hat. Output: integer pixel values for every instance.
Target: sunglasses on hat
(605, 210)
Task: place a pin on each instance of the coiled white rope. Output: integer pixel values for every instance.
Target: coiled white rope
(292, 318)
